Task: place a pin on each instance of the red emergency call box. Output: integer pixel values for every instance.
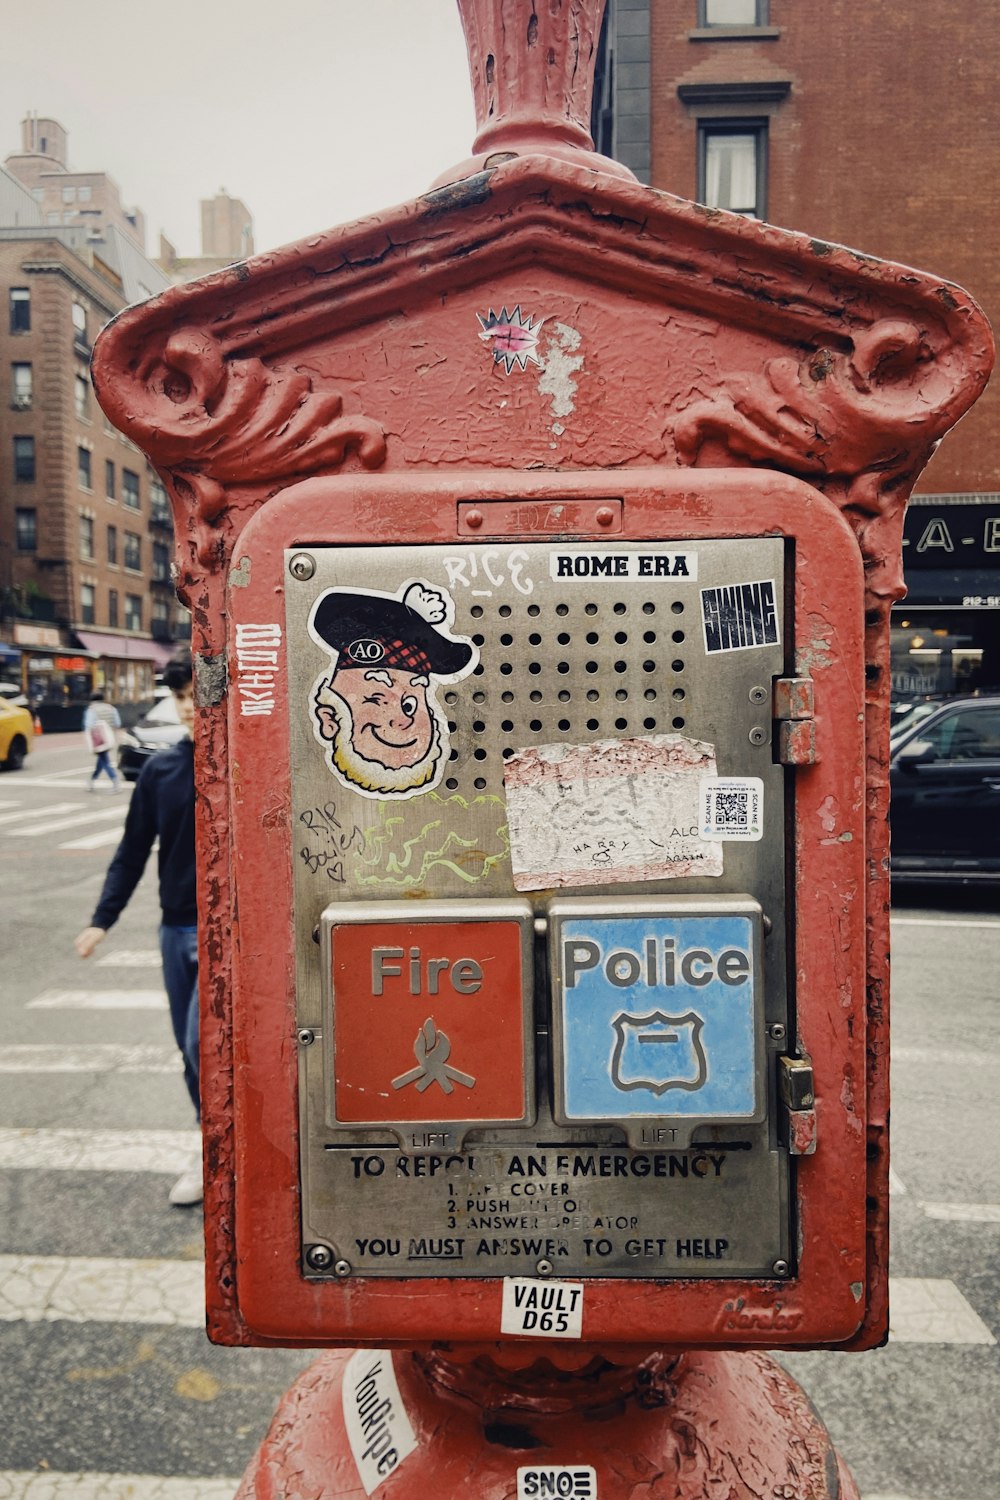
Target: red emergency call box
(540, 538)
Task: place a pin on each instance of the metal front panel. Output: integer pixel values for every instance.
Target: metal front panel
(608, 664)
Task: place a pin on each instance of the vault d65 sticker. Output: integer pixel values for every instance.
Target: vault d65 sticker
(657, 1016)
(374, 708)
(429, 1019)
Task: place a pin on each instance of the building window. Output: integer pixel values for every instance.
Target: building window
(113, 608)
(24, 458)
(132, 554)
(80, 328)
(732, 12)
(53, 216)
(161, 562)
(732, 167)
(133, 611)
(159, 506)
(81, 396)
(83, 472)
(87, 599)
(113, 546)
(20, 387)
(130, 489)
(109, 478)
(87, 537)
(69, 194)
(83, 194)
(26, 521)
(20, 309)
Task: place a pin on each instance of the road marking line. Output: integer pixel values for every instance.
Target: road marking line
(963, 1213)
(76, 821)
(940, 1055)
(99, 1000)
(41, 812)
(96, 840)
(97, 1057)
(28, 1149)
(943, 922)
(130, 958)
(85, 1289)
(865, 1496)
(20, 1484)
(923, 1310)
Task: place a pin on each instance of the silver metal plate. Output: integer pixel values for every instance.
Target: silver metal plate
(578, 672)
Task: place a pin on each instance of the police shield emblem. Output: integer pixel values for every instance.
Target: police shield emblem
(658, 1052)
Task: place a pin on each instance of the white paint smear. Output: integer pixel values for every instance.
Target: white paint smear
(64, 1289)
(613, 811)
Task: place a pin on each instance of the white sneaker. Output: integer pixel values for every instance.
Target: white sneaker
(188, 1188)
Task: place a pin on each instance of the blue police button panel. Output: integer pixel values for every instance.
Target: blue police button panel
(657, 1016)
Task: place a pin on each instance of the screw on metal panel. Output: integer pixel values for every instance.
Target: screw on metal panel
(758, 735)
(605, 516)
(758, 695)
(544, 1268)
(776, 1032)
(306, 1037)
(319, 1257)
(474, 519)
(780, 1268)
(342, 1268)
(302, 566)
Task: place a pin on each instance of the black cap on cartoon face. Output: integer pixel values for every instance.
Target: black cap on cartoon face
(374, 630)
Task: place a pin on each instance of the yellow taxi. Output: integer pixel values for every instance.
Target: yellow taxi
(17, 730)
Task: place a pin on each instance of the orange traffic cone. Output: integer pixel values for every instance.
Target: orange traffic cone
(38, 725)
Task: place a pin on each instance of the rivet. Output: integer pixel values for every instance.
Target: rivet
(342, 1268)
(757, 735)
(780, 1268)
(605, 516)
(758, 695)
(306, 1037)
(544, 1268)
(474, 519)
(319, 1257)
(776, 1032)
(302, 566)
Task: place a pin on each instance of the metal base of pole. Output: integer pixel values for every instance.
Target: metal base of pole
(694, 1426)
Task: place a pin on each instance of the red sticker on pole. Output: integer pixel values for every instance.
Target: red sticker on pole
(430, 1018)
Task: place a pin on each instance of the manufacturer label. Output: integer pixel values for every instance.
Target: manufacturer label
(557, 1482)
(732, 808)
(378, 1428)
(542, 1308)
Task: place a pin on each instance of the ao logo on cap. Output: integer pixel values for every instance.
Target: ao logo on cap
(363, 650)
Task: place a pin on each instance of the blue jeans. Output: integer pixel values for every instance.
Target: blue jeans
(104, 764)
(179, 951)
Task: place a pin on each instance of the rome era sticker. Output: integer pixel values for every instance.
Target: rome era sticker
(375, 712)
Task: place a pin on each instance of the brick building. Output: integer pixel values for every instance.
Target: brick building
(874, 126)
(86, 540)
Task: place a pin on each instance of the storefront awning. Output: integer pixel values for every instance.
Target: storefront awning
(10, 656)
(951, 588)
(119, 647)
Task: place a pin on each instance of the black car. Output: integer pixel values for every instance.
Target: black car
(157, 729)
(945, 776)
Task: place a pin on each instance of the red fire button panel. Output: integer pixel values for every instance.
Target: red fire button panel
(429, 1018)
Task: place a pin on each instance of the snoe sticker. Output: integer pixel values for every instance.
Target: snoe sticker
(557, 1482)
(732, 808)
(542, 1308)
(378, 1428)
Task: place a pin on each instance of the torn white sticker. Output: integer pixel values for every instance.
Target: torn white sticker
(613, 811)
(732, 808)
(542, 1308)
(563, 1481)
(378, 1428)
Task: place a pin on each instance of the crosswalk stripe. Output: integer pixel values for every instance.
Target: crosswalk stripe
(95, 840)
(130, 958)
(97, 1057)
(963, 1213)
(76, 821)
(20, 1484)
(99, 1000)
(85, 1289)
(64, 1150)
(945, 922)
(40, 812)
(924, 1310)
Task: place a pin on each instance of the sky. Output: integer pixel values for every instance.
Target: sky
(314, 112)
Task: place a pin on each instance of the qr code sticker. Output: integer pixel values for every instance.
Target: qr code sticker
(732, 808)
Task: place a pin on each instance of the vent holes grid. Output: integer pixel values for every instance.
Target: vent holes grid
(573, 672)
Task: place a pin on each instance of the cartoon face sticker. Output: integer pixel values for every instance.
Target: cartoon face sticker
(375, 711)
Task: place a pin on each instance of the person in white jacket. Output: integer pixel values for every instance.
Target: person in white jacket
(99, 725)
